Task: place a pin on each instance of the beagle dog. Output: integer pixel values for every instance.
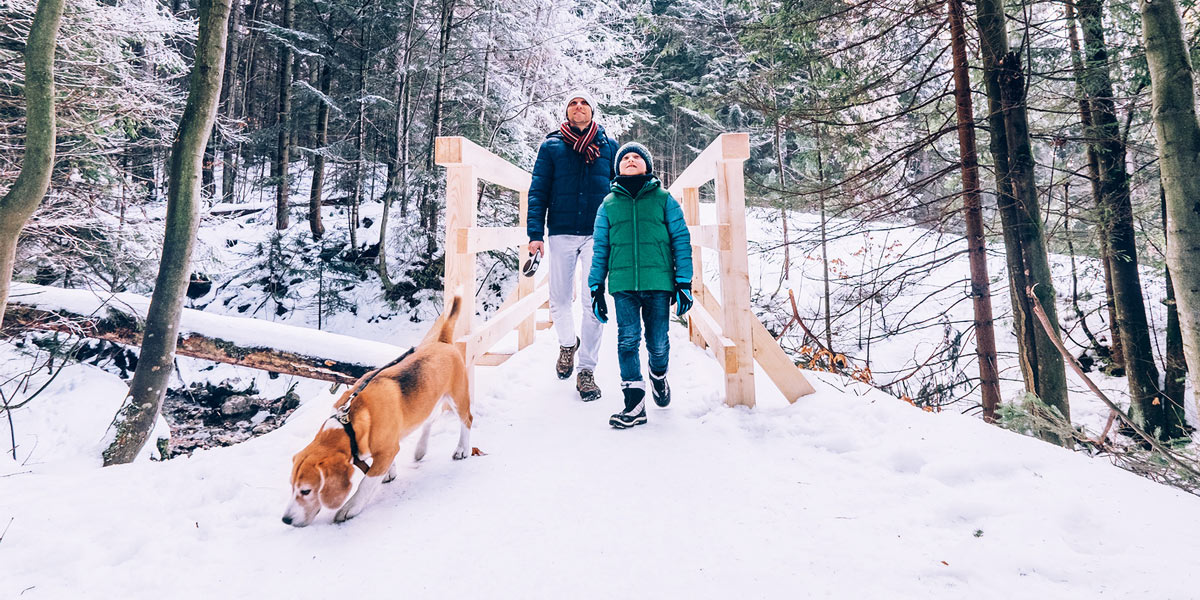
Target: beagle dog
(372, 417)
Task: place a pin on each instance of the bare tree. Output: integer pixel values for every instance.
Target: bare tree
(138, 413)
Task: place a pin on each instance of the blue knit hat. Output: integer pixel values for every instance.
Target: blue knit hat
(640, 150)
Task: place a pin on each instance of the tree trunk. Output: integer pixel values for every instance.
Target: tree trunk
(284, 120)
(1041, 365)
(429, 205)
(231, 102)
(1178, 136)
(824, 243)
(38, 163)
(1174, 364)
(360, 128)
(320, 141)
(119, 327)
(784, 204)
(1146, 408)
(139, 412)
(398, 174)
(981, 295)
(1114, 354)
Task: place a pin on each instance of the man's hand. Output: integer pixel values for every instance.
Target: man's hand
(599, 304)
(683, 298)
(535, 247)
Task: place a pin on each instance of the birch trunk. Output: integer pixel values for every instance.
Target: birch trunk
(1178, 135)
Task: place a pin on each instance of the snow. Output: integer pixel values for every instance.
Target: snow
(847, 493)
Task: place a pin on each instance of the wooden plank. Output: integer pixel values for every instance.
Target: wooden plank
(482, 239)
(461, 188)
(525, 285)
(775, 362)
(544, 325)
(727, 147)
(778, 365)
(735, 280)
(690, 201)
(715, 237)
(723, 347)
(492, 359)
(501, 323)
(452, 151)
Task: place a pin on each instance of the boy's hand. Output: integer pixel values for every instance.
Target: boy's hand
(599, 304)
(683, 298)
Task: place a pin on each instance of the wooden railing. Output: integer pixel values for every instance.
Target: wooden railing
(727, 325)
(465, 164)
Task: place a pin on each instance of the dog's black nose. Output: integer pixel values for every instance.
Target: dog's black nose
(287, 520)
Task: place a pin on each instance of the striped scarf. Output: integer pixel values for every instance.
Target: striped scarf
(585, 144)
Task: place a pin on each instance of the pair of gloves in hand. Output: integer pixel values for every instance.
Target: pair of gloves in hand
(682, 299)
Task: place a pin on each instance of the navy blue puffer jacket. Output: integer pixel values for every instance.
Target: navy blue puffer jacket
(566, 191)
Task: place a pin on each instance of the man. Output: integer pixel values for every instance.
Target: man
(571, 177)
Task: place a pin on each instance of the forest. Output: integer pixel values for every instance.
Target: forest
(1037, 131)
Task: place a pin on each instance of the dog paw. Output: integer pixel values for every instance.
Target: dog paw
(391, 474)
(461, 453)
(345, 514)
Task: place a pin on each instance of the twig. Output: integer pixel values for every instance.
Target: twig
(1041, 315)
(2, 533)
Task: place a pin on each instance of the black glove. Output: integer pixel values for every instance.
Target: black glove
(599, 304)
(682, 299)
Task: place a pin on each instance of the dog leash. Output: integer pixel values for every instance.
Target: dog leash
(342, 413)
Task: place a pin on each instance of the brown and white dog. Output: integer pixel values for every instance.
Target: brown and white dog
(397, 400)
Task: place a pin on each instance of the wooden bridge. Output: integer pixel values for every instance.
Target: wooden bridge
(721, 321)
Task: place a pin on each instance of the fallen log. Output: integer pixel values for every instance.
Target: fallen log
(241, 341)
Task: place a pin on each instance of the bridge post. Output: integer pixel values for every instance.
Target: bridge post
(461, 188)
(735, 268)
(525, 331)
(691, 215)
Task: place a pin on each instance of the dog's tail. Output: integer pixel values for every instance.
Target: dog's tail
(450, 319)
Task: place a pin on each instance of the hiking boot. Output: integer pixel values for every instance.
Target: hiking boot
(659, 389)
(566, 360)
(586, 385)
(635, 406)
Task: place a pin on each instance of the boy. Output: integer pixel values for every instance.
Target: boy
(643, 249)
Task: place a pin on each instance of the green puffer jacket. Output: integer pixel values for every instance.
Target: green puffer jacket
(640, 243)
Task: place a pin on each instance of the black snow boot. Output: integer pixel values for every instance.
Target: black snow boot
(635, 406)
(566, 360)
(660, 389)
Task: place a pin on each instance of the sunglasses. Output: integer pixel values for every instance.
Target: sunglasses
(531, 266)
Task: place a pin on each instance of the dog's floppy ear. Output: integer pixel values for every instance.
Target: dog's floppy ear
(335, 484)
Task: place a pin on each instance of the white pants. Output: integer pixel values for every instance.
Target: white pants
(564, 252)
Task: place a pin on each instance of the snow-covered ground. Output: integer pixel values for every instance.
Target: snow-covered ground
(847, 493)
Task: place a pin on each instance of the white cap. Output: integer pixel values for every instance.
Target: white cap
(580, 93)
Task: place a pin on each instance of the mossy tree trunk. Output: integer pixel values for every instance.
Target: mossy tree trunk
(34, 179)
(138, 413)
(1116, 210)
(1025, 247)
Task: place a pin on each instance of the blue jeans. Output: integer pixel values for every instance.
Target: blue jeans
(633, 309)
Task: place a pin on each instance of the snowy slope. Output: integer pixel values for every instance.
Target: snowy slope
(848, 493)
